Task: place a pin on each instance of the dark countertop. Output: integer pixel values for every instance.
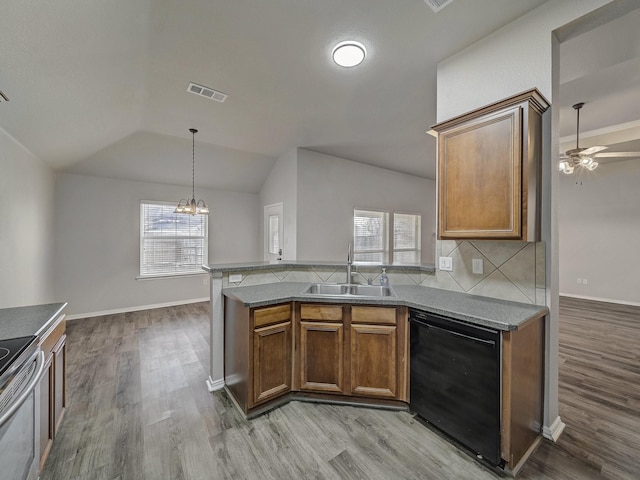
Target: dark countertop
(489, 312)
(27, 321)
(242, 267)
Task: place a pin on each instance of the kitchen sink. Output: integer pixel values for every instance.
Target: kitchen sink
(334, 289)
(327, 289)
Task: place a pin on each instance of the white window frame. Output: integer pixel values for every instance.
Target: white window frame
(389, 235)
(193, 269)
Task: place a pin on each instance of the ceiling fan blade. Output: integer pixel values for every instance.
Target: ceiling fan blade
(592, 150)
(618, 155)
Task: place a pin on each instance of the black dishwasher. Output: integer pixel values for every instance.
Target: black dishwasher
(455, 380)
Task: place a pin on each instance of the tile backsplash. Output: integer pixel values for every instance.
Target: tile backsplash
(512, 270)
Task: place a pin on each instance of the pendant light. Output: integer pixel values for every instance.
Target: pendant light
(191, 207)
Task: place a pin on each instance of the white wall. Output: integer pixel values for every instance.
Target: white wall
(599, 222)
(515, 58)
(97, 242)
(330, 187)
(26, 226)
(281, 186)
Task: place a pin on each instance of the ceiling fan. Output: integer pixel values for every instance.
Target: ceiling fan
(586, 157)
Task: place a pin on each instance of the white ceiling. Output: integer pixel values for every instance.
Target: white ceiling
(100, 87)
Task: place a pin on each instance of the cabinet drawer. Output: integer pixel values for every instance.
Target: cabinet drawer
(373, 315)
(326, 313)
(267, 316)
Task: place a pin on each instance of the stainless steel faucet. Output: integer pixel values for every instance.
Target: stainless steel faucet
(349, 262)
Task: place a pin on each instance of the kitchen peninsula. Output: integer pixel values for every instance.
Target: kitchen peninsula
(272, 342)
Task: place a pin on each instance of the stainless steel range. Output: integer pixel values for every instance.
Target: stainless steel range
(21, 367)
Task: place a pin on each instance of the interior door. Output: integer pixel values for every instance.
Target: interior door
(273, 232)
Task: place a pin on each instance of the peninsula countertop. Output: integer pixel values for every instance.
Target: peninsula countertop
(485, 311)
(32, 320)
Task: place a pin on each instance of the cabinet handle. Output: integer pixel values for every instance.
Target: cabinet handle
(39, 358)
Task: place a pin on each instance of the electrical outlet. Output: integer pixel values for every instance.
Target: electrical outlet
(235, 277)
(584, 281)
(446, 264)
(205, 281)
(579, 281)
(477, 266)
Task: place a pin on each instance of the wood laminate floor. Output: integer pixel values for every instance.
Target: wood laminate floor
(139, 409)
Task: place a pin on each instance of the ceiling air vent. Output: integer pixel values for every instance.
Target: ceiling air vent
(207, 92)
(3, 97)
(437, 5)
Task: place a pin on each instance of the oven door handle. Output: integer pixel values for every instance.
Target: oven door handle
(39, 358)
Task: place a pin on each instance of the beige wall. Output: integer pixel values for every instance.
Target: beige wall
(97, 253)
(599, 221)
(329, 188)
(26, 226)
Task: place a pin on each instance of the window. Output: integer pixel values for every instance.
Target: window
(406, 238)
(373, 233)
(171, 243)
(370, 236)
(274, 234)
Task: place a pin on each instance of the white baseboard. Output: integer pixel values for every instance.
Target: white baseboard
(600, 299)
(214, 385)
(554, 431)
(135, 309)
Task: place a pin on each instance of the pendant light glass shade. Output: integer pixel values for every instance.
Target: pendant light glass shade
(192, 207)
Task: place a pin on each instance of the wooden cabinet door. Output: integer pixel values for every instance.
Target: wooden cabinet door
(321, 357)
(59, 385)
(271, 361)
(479, 173)
(489, 168)
(46, 410)
(374, 363)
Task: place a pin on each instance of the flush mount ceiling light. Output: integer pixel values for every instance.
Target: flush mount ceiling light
(349, 53)
(191, 207)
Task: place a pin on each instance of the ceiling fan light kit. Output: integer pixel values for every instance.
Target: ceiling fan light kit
(585, 158)
(579, 157)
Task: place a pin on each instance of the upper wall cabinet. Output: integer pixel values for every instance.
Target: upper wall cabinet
(489, 169)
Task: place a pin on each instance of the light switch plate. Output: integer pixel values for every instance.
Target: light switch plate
(235, 277)
(477, 266)
(446, 264)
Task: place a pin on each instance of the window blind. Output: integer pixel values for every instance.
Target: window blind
(370, 236)
(406, 238)
(171, 243)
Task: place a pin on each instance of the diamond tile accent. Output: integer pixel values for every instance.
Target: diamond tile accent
(281, 273)
(497, 285)
(498, 252)
(442, 280)
(259, 277)
(462, 266)
(326, 273)
(306, 275)
(520, 269)
(398, 278)
(448, 246)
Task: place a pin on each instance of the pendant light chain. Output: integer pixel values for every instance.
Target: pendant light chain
(193, 163)
(187, 206)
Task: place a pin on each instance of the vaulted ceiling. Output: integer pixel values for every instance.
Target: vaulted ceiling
(100, 88)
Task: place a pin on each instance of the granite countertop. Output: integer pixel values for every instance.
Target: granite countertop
(489, 312)
(246, 266)
(28, 321)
